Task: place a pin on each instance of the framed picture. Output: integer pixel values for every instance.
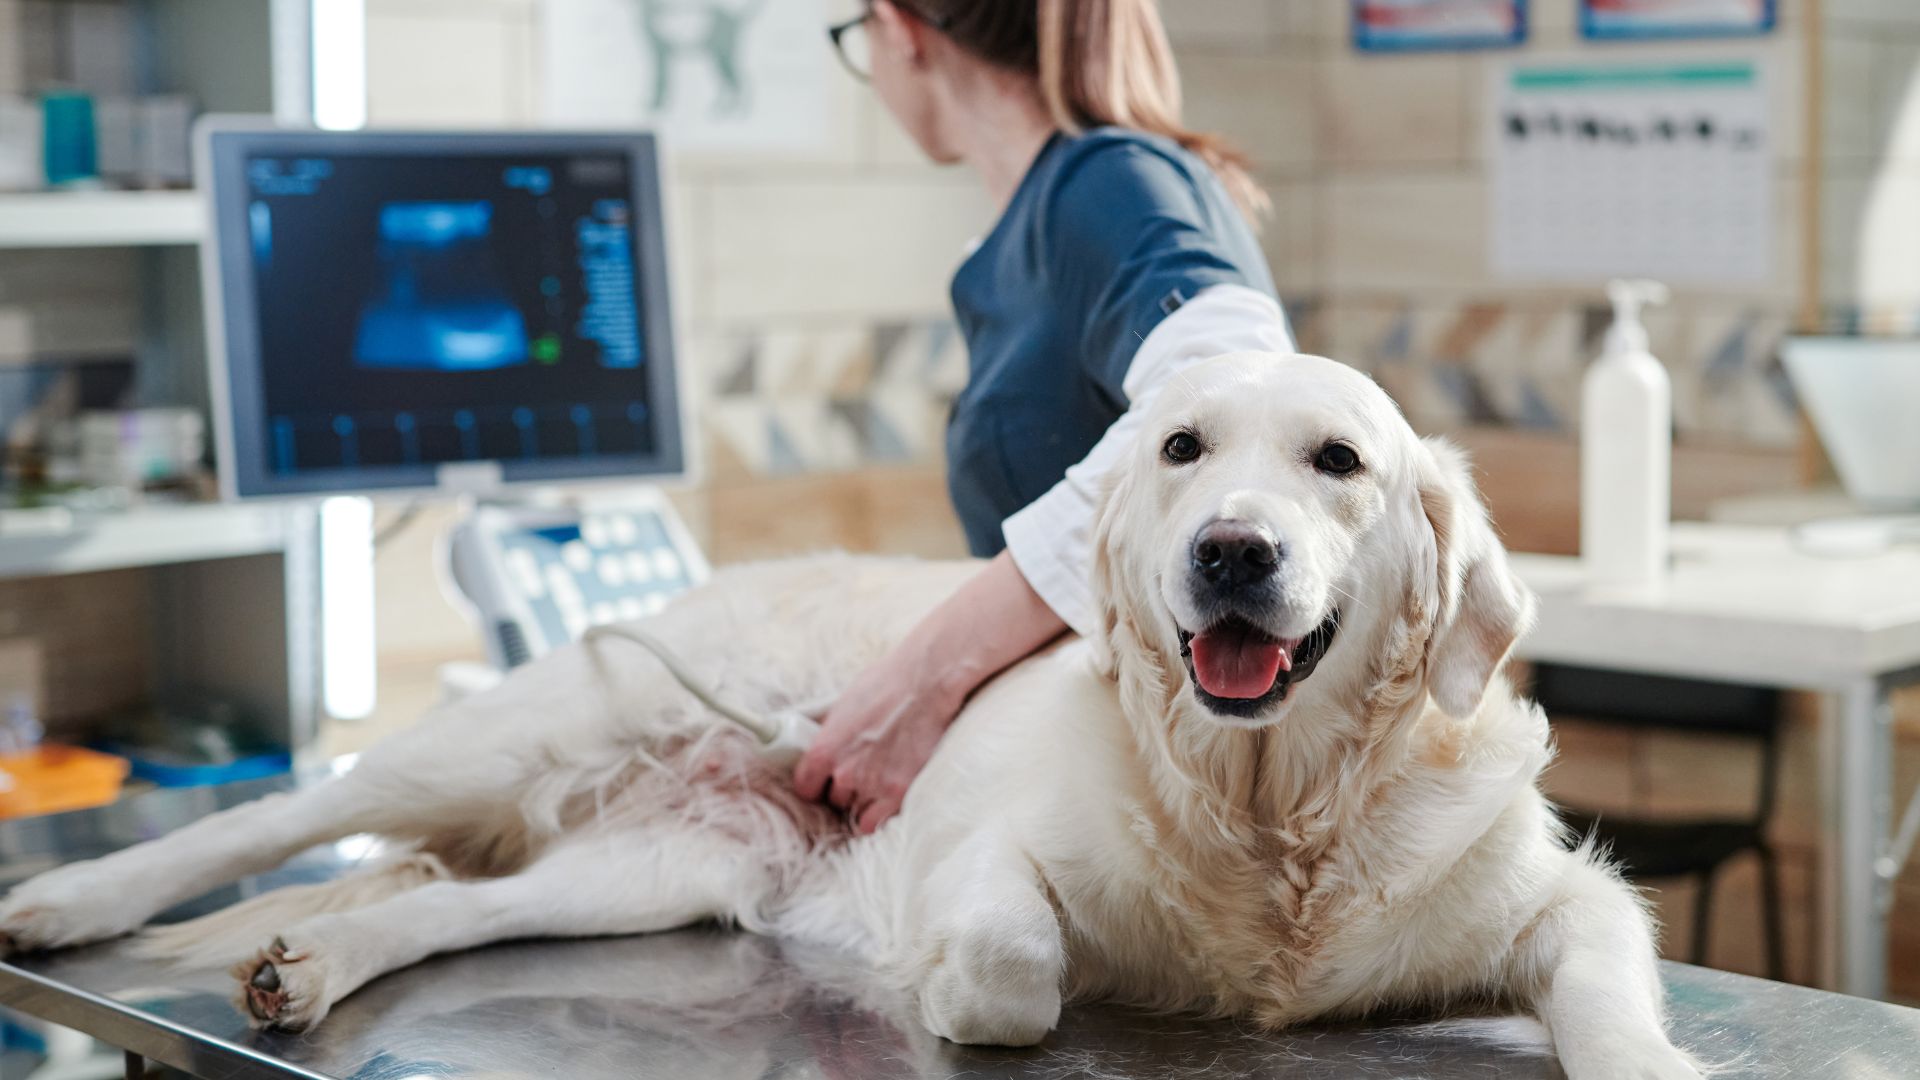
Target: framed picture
(1428, 25)
(1623, 20)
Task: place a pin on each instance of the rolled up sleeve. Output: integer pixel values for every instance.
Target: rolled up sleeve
(1051, 540)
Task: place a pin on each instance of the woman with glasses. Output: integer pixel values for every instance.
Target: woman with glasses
(1124, 251)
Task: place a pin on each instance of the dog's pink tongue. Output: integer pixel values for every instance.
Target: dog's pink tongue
(1230, 663)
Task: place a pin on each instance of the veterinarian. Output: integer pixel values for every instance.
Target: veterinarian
(1124, 251)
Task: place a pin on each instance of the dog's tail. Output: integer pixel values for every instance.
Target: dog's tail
(230, 935)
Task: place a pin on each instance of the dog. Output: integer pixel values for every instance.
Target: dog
(1285, 779)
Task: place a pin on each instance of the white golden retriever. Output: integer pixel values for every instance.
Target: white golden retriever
(1173, 814)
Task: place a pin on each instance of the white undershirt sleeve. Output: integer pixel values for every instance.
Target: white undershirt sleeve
(1051, 540)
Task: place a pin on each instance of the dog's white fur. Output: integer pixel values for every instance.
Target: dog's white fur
(1087, 829)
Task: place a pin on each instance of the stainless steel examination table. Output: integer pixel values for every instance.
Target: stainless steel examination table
(704, 1004)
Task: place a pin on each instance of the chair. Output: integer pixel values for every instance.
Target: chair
(1681, 847)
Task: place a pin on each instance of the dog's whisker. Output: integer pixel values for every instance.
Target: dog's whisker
(1348, 598)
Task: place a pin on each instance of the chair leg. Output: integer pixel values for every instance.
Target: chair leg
(1702, 918)
(1771, 898)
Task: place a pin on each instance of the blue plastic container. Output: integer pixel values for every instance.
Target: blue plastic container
(67, 142)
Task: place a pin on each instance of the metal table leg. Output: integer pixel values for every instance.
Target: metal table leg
(1859, 807)
(136, 1066)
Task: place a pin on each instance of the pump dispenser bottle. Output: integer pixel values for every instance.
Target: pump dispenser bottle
(1626, 449)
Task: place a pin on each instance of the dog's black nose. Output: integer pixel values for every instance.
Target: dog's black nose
(1234, 553)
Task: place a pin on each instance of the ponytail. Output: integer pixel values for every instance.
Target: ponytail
(1099, 63)
(1108, 62)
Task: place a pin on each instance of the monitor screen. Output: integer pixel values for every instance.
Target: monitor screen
(398, 309)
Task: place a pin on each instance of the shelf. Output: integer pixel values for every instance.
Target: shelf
(55, 219)
(39, 542)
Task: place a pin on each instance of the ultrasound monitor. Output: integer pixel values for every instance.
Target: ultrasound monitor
(436, 311)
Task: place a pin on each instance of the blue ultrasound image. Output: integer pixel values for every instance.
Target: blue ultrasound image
(441, 304)
(420, 311)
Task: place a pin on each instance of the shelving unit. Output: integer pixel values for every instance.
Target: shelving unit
(41, 542)
(68, 219)
(229, 595)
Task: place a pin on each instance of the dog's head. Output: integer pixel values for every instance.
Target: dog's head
(1279, 534)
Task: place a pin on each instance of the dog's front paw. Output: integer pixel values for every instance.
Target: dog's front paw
(72, 905)
(284, 987)
(993, 988)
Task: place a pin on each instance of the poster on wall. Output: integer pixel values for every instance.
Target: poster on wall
(1629, 19)
(1657, 169)
(707, 74)
(1420, 25)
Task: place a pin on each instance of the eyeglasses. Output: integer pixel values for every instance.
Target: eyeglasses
(855, 48)
(850, 38)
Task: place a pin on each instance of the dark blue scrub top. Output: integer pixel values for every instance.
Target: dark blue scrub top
(1109, 232)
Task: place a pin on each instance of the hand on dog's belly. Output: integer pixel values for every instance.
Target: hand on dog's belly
(884, 728)
(874, 741)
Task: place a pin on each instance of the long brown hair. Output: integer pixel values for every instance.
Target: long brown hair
(1099, 62)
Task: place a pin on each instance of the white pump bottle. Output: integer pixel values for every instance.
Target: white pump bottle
(1626, 449)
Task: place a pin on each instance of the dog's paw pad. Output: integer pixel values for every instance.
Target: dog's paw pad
(279, 990)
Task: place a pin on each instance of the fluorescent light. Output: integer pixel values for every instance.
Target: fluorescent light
(347, 656)
(340, 64)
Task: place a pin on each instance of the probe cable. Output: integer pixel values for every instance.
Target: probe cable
(783, 735)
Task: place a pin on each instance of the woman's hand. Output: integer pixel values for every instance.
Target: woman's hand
(884, 727)
(878, 736)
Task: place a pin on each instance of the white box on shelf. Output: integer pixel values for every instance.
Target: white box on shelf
(16, 335)
(20, 155)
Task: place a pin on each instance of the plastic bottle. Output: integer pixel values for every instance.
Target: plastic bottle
(20, 732)
(1626, 449)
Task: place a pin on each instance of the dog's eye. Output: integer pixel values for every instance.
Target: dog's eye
(1337, 459)
(1181, 447)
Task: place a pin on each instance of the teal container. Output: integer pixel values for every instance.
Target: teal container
(68, 144)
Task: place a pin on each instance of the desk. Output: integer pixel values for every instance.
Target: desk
(1743, 605)
(704, 1003)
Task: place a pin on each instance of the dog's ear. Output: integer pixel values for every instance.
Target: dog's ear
(1480, 608)
(1114, 609)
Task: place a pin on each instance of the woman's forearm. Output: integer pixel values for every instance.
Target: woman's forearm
(992, 621)
(886, 724)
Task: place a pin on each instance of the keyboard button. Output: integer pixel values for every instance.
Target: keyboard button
(639, 567)
(613, 571)
(578, 556)
(666, 564)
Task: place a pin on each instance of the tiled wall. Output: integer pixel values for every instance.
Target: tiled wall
(1407, 290)
(822, 353)
(1870, 165)
(814, 284)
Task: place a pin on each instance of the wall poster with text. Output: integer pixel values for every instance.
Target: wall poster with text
(1638, 19)
(1428, 25)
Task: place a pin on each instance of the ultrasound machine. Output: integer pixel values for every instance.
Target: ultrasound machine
(473, 316)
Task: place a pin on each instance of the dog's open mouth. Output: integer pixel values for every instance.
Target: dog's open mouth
(1239, 669)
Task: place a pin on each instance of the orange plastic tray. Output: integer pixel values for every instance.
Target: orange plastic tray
(51, 778)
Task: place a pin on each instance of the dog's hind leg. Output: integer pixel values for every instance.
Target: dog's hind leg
(610, 883)
(115, 894)
(1588, 965)
(456, 773)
